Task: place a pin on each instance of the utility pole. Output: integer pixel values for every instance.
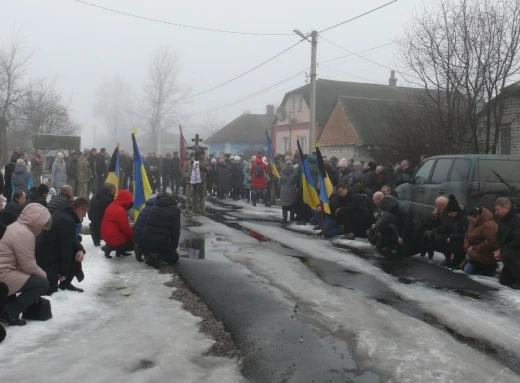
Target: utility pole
(312, 130)
(314, 48)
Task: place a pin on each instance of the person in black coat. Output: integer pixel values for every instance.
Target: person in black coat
(154, 178)
(161, 234)
(98, 205)
(38, 195)
(8, 187)
(175, 174)
(353, 212)
(61, 200)
(237, 178)
(140, 224)
(223, 179)
(59, 252)
(211, 176)
(101, 168)
(370, 177)
(14, 208)
(508, 240)
(166, 171)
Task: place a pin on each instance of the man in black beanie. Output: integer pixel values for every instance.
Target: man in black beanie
(38, 195)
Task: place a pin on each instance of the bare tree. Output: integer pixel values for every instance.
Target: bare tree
(464, 53)
(41, 111)
(114, 106)
(13, 85)
(162, 95)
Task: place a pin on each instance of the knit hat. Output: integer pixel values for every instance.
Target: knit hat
(59, 155)
(343, 163)
(52, 191)
(253, 158)
(288, 163)
(43, 189)
(213, 161)
(453, 205)
(237, 159)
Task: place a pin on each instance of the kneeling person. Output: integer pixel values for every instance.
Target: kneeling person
(161, 234)
(59, 252)
(115, 228)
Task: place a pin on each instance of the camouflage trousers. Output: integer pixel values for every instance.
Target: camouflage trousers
(82, 189)
(196, 197)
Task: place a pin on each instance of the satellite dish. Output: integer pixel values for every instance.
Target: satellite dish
(281, 114)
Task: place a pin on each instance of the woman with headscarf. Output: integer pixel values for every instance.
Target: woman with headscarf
(18, 268)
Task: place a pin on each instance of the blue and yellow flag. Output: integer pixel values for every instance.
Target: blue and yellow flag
(113, 169)
(326, 188)
(271, 160)
(142, 189)
(310, 195)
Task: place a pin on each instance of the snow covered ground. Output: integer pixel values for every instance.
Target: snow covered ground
(392, 344)
(124, 328)
(467, 316)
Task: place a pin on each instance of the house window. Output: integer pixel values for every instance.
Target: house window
(505, 139)
(303, 143)
(293, 100)
(285, 142)
(301, 104)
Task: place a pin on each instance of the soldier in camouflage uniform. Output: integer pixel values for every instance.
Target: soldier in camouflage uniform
(186, 174)
(84, 175)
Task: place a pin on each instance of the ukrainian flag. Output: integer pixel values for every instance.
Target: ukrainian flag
(113, 169)
(274, 171)
(310, 196)
(326, 188)
(142, 189)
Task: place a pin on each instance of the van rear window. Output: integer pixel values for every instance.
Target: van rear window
(497, 171)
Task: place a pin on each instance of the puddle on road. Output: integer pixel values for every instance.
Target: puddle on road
(406, 270)
(196, 248)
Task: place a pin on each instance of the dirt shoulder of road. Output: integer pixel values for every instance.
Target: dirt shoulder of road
(224, 345)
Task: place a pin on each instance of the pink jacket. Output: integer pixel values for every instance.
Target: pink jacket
(17, 260)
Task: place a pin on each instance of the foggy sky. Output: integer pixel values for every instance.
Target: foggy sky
(82, 45)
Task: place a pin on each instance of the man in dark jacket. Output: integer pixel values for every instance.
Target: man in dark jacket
(14, 208)
(162, 231)
(98, 205)
(8, 180)
(140, 224)
(38, 195)
(353, 212)
(508, 240)
(406, 174)
(101, 168)
(176, 174)
(61, 200)
(370, 177)
(59, 252)
(166, 171)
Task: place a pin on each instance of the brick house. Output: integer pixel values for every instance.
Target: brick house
(244, 132)
(293, 116)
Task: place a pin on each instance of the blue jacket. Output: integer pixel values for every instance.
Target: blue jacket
(142, 220)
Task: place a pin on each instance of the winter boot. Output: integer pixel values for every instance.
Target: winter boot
(284, 213)
(291, 216)
(253, 199)
(107, 250)
(153, 261)
(11, 321)
(138, 254)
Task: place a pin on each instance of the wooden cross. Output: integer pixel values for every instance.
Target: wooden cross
(197, 139)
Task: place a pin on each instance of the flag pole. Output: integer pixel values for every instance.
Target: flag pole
(323, 221)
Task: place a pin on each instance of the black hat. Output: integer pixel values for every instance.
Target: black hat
(475, 212)
(43, 189)
(453, 205)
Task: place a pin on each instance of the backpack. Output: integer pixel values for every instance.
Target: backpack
(259, 171)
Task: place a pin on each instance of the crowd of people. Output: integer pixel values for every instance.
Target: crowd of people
(41, 249)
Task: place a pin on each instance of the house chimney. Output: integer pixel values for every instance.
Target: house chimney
(392, 81)
(269, 112)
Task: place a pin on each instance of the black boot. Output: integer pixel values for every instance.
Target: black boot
(284, 213)
(152, 260)
(138, 254)
(11, 321)
(253, 199)
(107, 250)
(291, 216)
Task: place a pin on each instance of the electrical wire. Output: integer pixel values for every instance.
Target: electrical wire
(358, 16)
(244, 98)
(181, 25)
(353, 54)
(241, 75)
(356, 54)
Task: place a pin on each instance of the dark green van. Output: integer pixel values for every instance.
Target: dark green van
(475, 179)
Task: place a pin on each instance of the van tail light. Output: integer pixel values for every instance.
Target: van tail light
(473, 189)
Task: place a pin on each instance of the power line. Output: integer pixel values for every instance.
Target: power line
(353, 54)
(356, 54)
(244, 98)
(181, 25)
(357, 17)
(241, 75)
